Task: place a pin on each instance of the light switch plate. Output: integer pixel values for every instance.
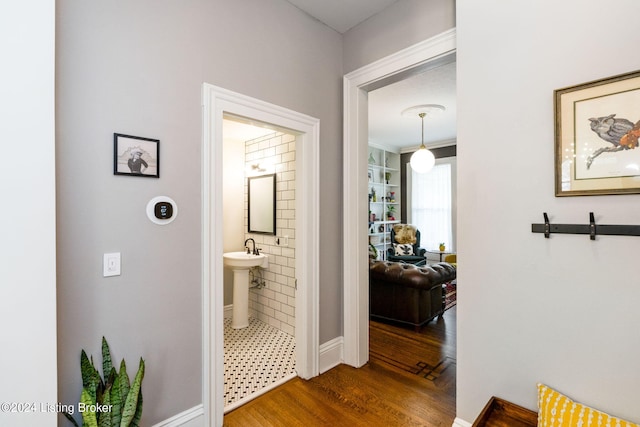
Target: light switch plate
(111, 264)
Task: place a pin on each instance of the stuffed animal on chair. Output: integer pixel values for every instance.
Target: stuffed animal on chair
(405, 240)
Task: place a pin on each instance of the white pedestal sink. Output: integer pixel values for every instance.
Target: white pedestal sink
(240, 263)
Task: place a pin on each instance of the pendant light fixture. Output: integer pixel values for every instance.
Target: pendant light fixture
(422, 160)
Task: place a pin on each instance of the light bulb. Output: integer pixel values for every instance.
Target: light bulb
(422, 160)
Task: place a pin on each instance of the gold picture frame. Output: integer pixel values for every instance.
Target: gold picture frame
(597, 126)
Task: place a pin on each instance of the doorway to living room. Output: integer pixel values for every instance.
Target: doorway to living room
(429, 54)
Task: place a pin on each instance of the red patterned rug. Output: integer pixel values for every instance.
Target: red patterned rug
(450, 295)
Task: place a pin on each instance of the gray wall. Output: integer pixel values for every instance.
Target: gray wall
(137, 68)
(564, 310)
(405, 23)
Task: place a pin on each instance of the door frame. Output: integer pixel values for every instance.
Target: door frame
(216, 102)
(417, 58)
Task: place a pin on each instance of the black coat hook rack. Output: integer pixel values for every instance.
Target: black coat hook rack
(591, 229)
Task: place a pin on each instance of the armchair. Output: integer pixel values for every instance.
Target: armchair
(403, 234)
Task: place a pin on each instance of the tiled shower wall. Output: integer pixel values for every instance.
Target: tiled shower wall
(275, 303)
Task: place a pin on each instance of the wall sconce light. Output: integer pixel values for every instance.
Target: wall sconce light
(259, 168)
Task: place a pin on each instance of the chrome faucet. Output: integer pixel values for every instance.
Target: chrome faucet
(255, 251)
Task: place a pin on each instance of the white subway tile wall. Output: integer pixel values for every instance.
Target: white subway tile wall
(275, 303)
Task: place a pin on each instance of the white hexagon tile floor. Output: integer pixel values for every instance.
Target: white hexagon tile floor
(254, 358)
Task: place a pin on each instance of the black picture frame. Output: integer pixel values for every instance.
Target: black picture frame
(136, 156)
(262, 204)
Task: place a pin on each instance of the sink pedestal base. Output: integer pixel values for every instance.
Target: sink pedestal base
(240, 298)
(240, 263)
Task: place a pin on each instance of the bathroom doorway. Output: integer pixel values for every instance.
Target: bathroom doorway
(219, 104)
(259, 355)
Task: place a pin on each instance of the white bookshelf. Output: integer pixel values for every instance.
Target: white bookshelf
(384, 182)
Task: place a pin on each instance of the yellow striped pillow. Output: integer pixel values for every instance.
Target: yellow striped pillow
(557, 410)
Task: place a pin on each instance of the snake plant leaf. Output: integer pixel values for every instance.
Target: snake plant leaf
(135, 422)
(89, 418)
(70, 418)
(106, 358)
(124, 382)
(104, 418)
(100, 394)
(86, 368)
(111, 378)
(131, 403)
(116, 401)
(90, 377)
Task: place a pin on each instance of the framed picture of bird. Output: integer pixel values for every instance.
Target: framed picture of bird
(597, 127)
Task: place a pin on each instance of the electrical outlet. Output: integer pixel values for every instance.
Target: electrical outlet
(282, 241)
(111, 264)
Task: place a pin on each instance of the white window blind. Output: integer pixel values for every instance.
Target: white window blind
(431, 206)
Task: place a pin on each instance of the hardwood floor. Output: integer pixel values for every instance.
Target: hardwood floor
(408, 381)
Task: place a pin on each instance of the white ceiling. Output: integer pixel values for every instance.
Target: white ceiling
(387, 127)
(237, 131)
(342, 15)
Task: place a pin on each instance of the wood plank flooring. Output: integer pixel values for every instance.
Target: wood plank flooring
(408, 381)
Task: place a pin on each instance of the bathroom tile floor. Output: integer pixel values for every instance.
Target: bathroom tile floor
(255, 357)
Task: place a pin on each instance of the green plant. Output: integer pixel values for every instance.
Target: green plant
(373, 251)
(391, 211)
(112, 401)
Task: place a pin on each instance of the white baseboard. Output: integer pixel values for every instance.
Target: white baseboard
(193, 417)
(458, 422)
(331, 354)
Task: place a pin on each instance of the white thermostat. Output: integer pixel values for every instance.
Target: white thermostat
(162, 210)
